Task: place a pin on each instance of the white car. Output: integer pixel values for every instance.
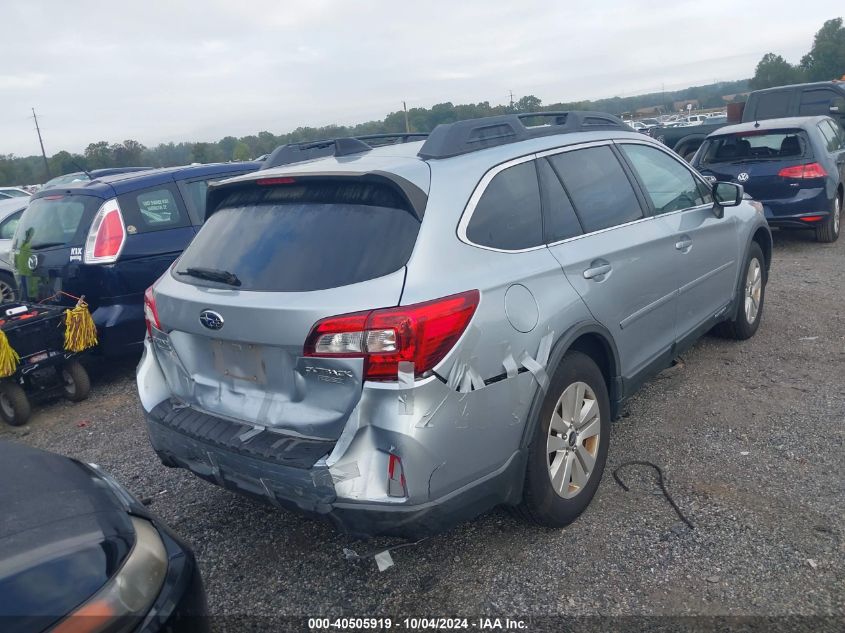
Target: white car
(12, 192)
(696, 119)
(11, 210)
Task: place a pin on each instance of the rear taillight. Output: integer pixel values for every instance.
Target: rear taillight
(107, 235)
(150, 311)
(810, 170)
(422, 333)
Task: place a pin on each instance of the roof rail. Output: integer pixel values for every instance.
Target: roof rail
(345, 146)
(298, 152)
(463, 137)
(377, 140)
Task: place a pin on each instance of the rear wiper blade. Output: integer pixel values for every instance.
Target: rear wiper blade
(212, 274)
(46, 244)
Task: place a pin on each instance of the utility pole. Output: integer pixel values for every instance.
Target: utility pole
(43, 153)
(511, 93)
(407, 125)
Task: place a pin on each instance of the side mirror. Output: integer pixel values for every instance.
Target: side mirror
(726, 194)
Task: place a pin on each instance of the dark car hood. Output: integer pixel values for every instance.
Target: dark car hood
(63, 534)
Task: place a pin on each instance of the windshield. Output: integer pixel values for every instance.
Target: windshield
(754, 146)
(302, 237)
(53, 221)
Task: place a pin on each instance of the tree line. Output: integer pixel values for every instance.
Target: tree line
(825, 61)
(29, 170)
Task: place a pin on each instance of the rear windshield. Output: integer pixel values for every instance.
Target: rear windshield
(751, 146)
(56, 220)
(301, 237)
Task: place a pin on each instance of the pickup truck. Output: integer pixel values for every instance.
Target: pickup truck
(824, 97)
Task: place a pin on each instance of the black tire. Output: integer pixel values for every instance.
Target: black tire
(75, 382)
(8, 288)
(829, 231)
(541, 503)
(741, 327)
(14, 405)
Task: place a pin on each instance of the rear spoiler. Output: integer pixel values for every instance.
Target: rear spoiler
(416, 197)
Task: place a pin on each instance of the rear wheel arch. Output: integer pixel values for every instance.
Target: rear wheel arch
(595, 341)
(764, 239)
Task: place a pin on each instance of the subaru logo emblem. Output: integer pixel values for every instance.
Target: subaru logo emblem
(211, 320)
(743, 177)
(32, 262)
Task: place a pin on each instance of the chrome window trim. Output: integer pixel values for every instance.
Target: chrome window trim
(494, 171)
(481, 187)
(605, 230)
(479, 190)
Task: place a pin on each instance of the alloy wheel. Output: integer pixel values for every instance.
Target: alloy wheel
(753, 290)
(573, 442)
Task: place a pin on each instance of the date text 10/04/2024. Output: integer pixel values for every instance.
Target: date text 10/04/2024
(416, 624)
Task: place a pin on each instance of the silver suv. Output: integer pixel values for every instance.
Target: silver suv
(399, 338)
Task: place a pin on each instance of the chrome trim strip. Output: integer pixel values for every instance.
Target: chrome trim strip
(646, 309)
(706, 276)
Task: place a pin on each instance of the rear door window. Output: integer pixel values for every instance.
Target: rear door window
(832, 133)
(773, 105)
(816, 102)
(153, 209)
(598, 186)
(303, 236)
(508, 215)
(559, 219)
(669, 185)
(194, 194)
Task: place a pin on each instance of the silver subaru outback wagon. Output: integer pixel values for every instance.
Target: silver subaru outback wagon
(402, 337)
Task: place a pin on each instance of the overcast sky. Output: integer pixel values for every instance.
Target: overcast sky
(197, 71)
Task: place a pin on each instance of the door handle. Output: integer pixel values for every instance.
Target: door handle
(597, 271)
(683, 244)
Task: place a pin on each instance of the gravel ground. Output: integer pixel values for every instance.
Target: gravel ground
(749, 435)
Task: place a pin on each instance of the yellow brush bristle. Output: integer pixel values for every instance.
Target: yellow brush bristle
(8, 357)
(80, 331)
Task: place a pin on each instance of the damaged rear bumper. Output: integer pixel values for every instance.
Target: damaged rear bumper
(287, 483)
